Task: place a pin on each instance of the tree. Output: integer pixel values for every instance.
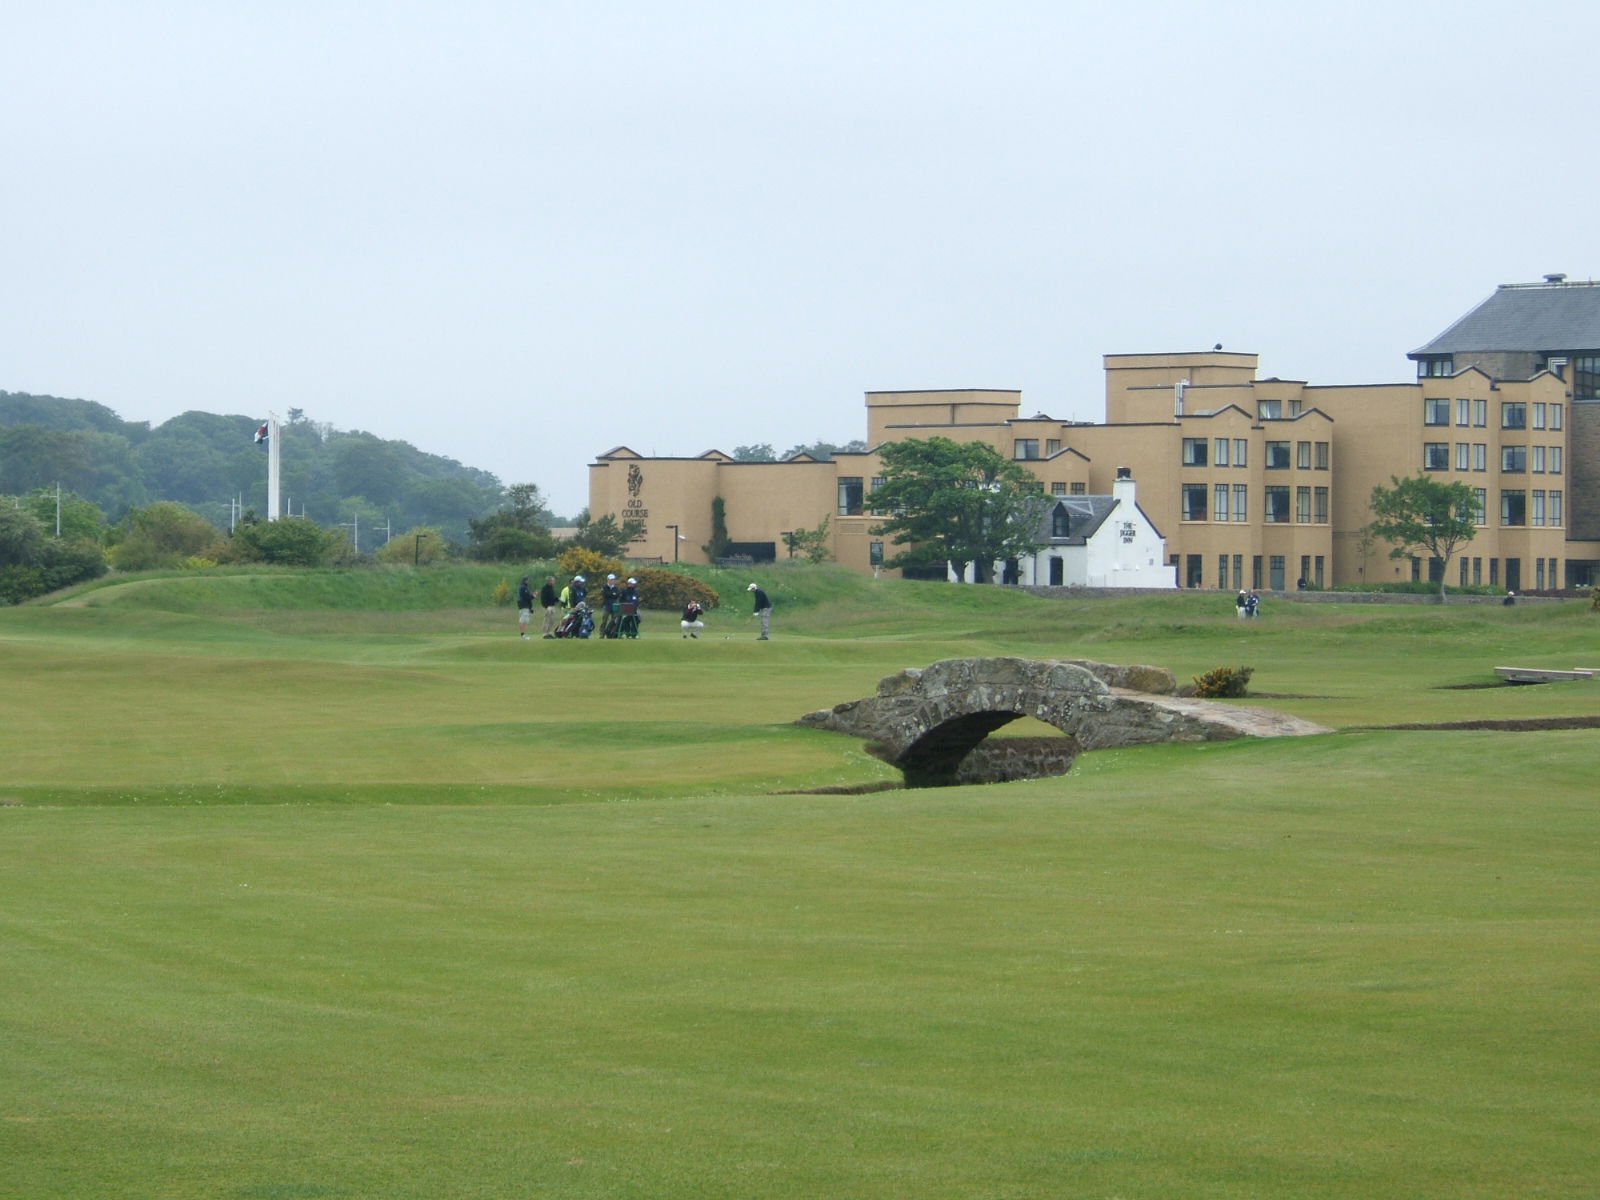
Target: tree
(80, 520)
(291, 541)
(1424, 514)
(418, 546)
(718, 545)
(605, 535)
(954, 502)
(826, 450)
(162, 534)
(515, 532)
(33, 563)
(760, 452)
(810, 544)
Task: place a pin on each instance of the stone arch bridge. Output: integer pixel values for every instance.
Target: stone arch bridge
(931, 722)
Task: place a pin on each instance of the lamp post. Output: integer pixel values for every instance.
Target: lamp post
(676, 538)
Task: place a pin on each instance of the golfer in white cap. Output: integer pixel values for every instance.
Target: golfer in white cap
(763, 610)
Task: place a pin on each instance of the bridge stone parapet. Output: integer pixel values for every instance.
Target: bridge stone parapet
(929, 721)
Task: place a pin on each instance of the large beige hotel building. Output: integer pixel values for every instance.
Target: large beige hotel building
(1253, 482)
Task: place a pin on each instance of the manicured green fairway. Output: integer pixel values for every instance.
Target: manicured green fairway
(344, 902)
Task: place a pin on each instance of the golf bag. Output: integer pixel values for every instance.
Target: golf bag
(579, 623)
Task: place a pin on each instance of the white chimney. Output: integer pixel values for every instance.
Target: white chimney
(1122, 487)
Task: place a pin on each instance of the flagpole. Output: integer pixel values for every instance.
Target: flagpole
(272, 467)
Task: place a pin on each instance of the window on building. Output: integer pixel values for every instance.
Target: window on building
(1319, 513)
(1305, 569)
(1302, 455)
(1238, 570)
(1480, 413)
(1194, 501)
(1555, 416)
(1241, 452)
(1435, 367)
(1538, 574)
(1538, 416)
(1241, 503)
(1302, 505)
(1220, 451)
(1554, 459)
(1513, 414)
(1416, 568)
(1277, 456)
(1536, 459)
(875, 553)
(1513, 459)
(1026, 448)
(1463, 562)
(1052, 446)
(1322, 456)
(1277, 506)
(1585, 378)
(1480, 456)
(1552, 510)
(1269, 410)
(1463, 456)
(1222, 571)
(1219, 502)
(1079, 489)
(1194, 451)
(1477, 572)
(1536, 509)
(1435, 456)
(1513, 506)
(1255, 570)
(1319, 570)
(1463, 412)
(1435, 410)
(1060, 522)
(1058, 489)
(849, 495)
(1277, 567)
(1480, 506)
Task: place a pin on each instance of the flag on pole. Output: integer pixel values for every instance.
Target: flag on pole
(261, 435)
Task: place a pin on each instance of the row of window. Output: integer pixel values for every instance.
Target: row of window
(1235, 452)
(1231, 502)
(1514, 414)
(1474, 456)
(1544, 569)
(1521, 507)
(1230, 571)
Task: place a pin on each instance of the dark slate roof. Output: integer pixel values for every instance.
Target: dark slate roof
(1526, 316)
(1085, 514)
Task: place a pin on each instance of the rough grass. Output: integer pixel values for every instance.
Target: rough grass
(325, 900)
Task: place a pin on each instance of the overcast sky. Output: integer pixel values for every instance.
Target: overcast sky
(519, 233)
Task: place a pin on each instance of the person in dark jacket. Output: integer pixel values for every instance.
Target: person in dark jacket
(524, 607)
(763, 610)
(628, 624)
(550, 601)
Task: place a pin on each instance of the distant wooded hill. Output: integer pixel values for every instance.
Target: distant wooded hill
(206, 461)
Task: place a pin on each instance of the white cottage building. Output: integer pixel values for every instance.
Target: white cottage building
(1096, 541)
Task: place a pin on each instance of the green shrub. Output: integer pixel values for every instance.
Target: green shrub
(1223, 683)
(660, 588)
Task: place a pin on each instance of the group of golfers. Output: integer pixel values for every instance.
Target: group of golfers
(567, 612)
